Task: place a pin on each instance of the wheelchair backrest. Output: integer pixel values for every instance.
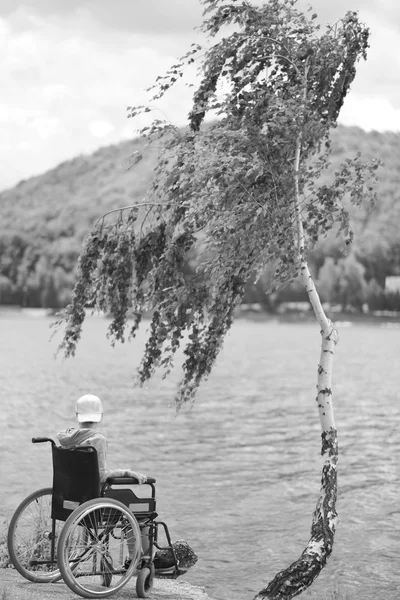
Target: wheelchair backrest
(75, 479)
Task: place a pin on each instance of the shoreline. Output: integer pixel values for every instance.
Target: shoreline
(252, 313)
(14, 587)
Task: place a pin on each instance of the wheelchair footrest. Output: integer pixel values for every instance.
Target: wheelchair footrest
(170, 573)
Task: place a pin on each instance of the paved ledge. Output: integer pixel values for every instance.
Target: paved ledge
(15, 587)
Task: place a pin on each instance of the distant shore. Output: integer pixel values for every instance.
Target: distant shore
(344, 319)
(253, 313)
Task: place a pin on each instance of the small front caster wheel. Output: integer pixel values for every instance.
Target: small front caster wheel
(144, 581)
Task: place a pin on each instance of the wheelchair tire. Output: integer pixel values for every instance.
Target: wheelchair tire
(99, 548)
(144, 581)
(29, 538)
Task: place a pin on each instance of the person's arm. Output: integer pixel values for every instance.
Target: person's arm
(126, 473)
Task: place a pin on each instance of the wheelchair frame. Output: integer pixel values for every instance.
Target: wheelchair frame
(79, 513)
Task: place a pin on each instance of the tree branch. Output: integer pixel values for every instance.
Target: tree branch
(129, 207)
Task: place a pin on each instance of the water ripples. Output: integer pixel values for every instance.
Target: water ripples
(238, 473)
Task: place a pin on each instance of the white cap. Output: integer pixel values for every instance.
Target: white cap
(89, 409)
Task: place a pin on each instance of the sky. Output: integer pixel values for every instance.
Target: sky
(70, 68)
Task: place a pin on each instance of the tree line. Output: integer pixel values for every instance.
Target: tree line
(44, 221)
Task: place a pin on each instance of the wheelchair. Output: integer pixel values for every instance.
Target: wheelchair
(94, 537)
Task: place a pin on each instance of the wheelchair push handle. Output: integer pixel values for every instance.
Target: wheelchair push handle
(39, 440)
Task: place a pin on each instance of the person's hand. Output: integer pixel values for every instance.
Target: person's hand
(127, 473)
(139, 476)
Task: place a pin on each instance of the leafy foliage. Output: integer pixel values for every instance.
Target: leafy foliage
(343, 282)
(276, 85)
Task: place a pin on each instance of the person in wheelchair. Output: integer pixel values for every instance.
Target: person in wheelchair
(89, 413)
(94, 535)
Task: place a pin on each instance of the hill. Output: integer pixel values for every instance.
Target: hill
(44, 219)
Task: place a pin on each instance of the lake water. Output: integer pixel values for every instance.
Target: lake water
(238, 472)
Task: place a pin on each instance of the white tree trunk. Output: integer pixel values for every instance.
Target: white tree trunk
(299, 575)
(329, 340)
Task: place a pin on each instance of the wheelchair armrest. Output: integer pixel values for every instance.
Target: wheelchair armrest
(127, 480)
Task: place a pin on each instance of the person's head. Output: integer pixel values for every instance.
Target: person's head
(89, 410)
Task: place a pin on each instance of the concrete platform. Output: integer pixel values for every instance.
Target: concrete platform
(15, 587)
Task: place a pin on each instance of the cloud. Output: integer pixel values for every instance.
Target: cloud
(144, 16)
(370, 113)
(66, 84)
(149, 16)
(100, 128)
(70, 69)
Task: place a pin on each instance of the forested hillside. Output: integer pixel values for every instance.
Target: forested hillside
(43, 221)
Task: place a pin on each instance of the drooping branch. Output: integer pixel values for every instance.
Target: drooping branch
(121, 209)
(226, 189)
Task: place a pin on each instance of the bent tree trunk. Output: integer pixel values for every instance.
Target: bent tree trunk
(299, 575)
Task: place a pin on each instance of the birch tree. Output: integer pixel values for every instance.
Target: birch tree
(247, 186)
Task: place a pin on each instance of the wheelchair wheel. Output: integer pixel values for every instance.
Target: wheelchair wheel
(30, 538)
(99, 548)
(144, 581)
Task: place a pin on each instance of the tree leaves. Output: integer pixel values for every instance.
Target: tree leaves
(228, 187)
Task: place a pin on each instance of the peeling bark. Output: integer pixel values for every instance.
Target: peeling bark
(299, 575)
